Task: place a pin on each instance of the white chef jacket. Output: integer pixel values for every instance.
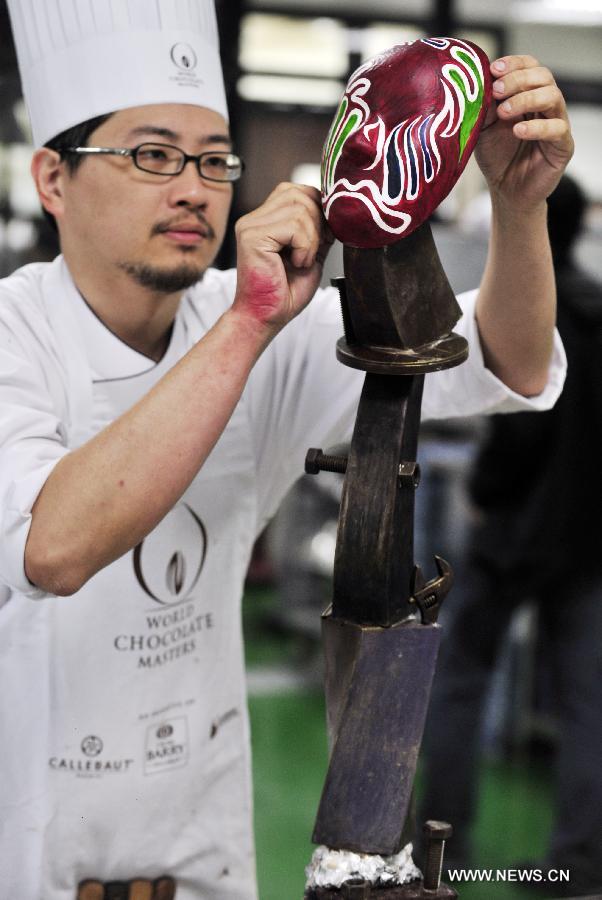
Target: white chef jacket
(125, 745)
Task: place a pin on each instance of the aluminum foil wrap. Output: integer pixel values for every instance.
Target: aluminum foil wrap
(332, 868)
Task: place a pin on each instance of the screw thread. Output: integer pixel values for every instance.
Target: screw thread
(433, 865)
(333, 463)
(436, 834)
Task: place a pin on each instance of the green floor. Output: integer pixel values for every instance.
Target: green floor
(290, 759)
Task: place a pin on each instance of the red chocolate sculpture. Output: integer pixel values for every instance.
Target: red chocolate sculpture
(405, 129)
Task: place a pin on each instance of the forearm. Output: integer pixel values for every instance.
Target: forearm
(516, 305)
(105, 497)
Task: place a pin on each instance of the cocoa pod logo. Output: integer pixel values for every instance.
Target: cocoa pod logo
(183, 56)
(176, 573)
(169, 561)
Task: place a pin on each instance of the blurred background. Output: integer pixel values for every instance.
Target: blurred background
(286, 66)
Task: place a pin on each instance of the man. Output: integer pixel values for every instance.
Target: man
(151, 425)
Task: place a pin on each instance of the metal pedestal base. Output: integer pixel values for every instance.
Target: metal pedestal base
(360, 890)
(377, 687)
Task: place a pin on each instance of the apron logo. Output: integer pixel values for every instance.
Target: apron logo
(93, 767)
(91, 745)
(176, 573)
(166, 746)
(168, 563)
(183, 56)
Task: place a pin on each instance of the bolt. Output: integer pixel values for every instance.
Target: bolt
(436, 834)
(340, 285)
(316, 461)
(409, 474)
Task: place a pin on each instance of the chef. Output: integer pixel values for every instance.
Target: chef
(153, 413)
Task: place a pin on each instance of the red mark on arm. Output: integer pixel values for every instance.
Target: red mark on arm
(260, 294)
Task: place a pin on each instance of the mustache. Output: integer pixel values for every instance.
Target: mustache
(173, 224)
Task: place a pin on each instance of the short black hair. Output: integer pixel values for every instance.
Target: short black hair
(77, 136)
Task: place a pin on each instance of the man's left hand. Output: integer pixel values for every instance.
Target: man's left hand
(526, 141)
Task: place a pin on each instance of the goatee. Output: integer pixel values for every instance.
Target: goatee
(164, 281)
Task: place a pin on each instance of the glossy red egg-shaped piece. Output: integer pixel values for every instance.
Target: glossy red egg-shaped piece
(403, 133)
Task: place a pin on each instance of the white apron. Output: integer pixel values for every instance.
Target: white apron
(146, 768)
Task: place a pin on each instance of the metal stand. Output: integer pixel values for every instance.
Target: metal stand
(361, 890)
(380, 635)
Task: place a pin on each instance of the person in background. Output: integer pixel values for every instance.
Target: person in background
(537, 491)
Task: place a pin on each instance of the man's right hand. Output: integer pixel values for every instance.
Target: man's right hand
(281, 249)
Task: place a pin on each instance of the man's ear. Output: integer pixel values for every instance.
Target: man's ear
(48, 173)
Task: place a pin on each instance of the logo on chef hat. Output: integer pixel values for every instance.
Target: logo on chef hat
(183, 56)
(169, 561)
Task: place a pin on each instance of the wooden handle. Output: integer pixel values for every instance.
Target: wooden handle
(163, 888)
(90, 890)
(141, 889)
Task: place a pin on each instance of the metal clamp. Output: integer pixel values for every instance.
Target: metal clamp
(429, 596)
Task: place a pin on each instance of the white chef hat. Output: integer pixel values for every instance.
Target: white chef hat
(84, 58)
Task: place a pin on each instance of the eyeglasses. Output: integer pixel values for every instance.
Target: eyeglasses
(165, 159)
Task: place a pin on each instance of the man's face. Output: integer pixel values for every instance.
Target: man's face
(163, 230)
